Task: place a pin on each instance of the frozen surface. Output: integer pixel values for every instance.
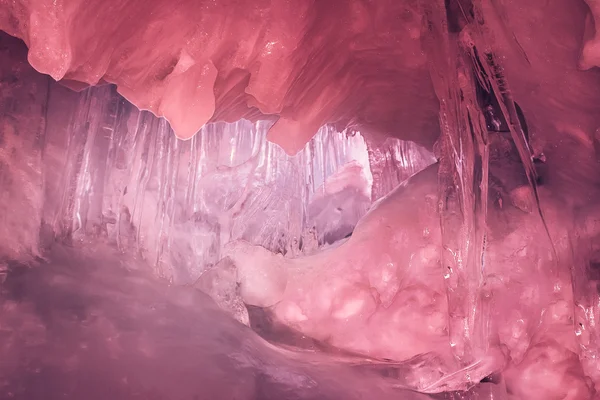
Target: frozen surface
(195, 61)
(381, 294)
(393, 162)
(94, 325)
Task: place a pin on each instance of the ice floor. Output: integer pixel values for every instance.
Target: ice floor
(89, 324)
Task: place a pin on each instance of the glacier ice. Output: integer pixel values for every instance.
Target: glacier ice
(248, 224)
(178, 203)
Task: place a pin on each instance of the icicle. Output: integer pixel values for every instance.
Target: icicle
(463, 186)
(494, 77)
(83, 177)
(147, 150)
(124, 171)
(192, 171)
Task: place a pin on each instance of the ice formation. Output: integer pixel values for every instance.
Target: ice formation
(308, 197)
(381, 293)
(179, 202)
(205, 60)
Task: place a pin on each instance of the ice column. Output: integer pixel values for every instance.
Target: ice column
(463, 175)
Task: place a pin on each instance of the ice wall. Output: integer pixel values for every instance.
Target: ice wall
(23, 103)
(90, 165)
(395, 161)
(469, 76)
(125, 177)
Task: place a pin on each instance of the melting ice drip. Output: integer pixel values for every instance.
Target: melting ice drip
(179, 202)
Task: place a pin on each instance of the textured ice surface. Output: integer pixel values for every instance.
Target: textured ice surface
(394, 162)
(311, 63)
(195, 61)
(95, 325)
(124, 176)
(517, 299)
(221, 284)
(381, 294)
(23, 104)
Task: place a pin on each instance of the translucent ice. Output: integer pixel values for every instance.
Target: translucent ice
(179, 203)
(221, 283)
(380, 293)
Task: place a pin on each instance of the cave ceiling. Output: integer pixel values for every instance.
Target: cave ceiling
(354, 63)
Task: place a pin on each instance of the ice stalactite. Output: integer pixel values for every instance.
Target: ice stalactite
(469, 81)
(582, 253)
(463, 178)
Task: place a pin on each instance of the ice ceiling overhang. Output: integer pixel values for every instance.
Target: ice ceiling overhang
(303, 62)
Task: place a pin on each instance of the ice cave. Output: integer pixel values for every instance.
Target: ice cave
(299, 199)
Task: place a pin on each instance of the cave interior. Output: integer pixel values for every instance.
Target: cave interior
(308, 199)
